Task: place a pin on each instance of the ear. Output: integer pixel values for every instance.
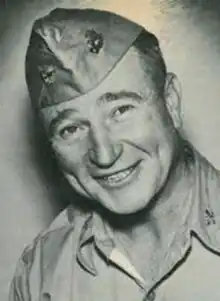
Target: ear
(172, 95)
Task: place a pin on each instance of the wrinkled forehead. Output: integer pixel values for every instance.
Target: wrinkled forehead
(72, 51)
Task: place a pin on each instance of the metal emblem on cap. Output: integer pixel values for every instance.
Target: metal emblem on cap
(48, 74)
(209, 217)
(94, 41)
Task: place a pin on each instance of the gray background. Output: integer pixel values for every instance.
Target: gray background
(189, 34)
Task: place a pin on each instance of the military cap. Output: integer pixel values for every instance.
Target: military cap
(71, 51)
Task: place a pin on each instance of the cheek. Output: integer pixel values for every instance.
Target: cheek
(162, 138)
(71, 158)
(146, 129)
(150, 133)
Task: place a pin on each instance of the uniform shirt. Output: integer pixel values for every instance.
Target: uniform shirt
(76, 259)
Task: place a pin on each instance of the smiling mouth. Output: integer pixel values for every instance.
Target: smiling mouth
(119, 177)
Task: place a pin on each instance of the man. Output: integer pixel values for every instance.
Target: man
(146, 225)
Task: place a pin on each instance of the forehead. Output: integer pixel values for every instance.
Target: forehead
(128, 76)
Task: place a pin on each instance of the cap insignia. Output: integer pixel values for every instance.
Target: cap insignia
(209, 217)
(48, 74)
(94, 41)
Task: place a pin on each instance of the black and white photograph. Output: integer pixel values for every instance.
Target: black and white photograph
(110, 150)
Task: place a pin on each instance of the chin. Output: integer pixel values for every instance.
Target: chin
(123, 202)
(122, 210)
(132, 206)
(133, 199)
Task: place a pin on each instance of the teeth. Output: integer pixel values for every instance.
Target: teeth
(118, 177)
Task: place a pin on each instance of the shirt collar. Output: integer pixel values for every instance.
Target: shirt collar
(202, 219)
(94, 232)
(205, 221)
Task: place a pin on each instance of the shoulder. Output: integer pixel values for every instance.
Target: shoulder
(69, 220)
(45, 248)
(208, 182)
(44, 251)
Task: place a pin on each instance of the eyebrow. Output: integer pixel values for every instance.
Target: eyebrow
(111, 97)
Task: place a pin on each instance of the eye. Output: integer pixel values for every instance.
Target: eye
(69, 131)
(122, 111)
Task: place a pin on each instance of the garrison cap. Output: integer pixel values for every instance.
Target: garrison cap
(71, 51)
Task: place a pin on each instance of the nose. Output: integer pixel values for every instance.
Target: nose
(103, 151)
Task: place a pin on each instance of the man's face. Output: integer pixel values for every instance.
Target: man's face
(115, 145)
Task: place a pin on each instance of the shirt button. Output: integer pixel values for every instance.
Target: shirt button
(150, 296)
